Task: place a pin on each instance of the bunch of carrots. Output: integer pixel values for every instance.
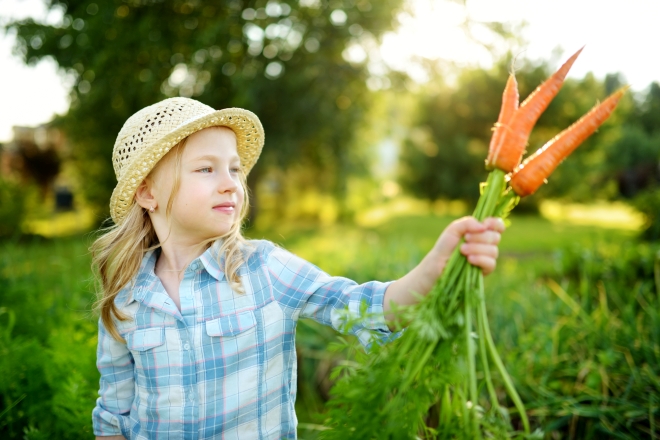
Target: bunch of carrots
(433, 367)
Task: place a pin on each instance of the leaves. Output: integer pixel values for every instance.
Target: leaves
(281, 60)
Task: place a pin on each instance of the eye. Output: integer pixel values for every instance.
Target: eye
(235, 170)
(205, 170)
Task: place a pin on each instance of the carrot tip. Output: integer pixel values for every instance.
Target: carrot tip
(533, 172)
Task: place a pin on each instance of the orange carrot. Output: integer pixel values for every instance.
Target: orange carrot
(510, 99)
(531, 174)
(515, 135)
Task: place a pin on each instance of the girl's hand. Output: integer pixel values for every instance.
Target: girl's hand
(480, 247)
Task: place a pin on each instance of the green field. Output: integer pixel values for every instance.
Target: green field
(574, 310)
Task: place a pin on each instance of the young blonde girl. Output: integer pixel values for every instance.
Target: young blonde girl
(196, 336)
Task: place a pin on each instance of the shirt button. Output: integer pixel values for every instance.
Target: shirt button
(186, 346)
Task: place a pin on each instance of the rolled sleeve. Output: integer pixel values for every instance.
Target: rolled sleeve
(117, 386)
(330, 300)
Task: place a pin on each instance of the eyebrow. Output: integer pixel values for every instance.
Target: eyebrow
(213, 158)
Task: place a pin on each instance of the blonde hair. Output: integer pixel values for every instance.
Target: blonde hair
(118, 252)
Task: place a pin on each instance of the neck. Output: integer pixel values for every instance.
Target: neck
(176, 257)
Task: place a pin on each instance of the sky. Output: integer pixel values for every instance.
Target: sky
(620, 36)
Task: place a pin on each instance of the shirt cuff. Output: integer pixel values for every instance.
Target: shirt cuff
(106, 423)
(371, 325)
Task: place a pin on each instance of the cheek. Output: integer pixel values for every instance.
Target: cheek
(240, 197)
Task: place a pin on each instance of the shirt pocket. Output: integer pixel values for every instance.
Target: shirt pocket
(145, 339)
(231, 353)
(231, 325)
(233, 340)
(148, 349)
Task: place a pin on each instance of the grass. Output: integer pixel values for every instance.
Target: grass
(48, 380)
(566, 303)
(401, 242)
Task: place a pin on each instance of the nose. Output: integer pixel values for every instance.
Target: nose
(228, 183)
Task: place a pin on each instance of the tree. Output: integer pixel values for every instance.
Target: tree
(444, 156)
(281, 60)
(632, 159)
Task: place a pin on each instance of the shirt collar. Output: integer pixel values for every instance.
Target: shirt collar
(214, 265)
(146, 278)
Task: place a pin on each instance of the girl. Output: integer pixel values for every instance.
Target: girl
(196, 336)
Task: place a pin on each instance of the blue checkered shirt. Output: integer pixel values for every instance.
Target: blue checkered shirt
(224, 366)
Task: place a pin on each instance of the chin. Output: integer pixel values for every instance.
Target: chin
(221, 231)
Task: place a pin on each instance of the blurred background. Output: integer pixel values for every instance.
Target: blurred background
(377, 115)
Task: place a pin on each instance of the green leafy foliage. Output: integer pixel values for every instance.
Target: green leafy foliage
(281, 60)
(439, 334)
(12, 208)
(591, 369)
(48, 378)
(556, 351)
(443, 154)
(632, 160)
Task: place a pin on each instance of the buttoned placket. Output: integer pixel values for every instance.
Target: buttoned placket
(187, 331)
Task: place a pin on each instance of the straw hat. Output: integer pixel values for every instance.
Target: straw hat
(150, 133)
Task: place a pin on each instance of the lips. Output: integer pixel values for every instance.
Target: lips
(227, 207)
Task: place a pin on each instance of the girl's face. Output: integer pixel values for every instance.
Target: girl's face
(210, 194)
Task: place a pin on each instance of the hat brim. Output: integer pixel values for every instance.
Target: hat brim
(249, 143)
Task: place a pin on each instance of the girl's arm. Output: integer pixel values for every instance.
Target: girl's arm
(304, 291)
(480, 248)
(117, 386)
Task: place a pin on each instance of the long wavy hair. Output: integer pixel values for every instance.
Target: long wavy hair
(118, 252)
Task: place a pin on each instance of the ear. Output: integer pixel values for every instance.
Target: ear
(144, 195)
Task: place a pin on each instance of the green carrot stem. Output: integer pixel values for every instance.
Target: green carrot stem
(450, 268)
(484, 189)
(456, 294)
(471, 367)
(405, 345)
(483, 354)
(490, 195)
(445, 407)
(466, 415)
(420, 364)
(492, 350)
(454, 268)
(508, 201)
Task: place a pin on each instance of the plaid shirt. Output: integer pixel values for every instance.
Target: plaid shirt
(224, 366)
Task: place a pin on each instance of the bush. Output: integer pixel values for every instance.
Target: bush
(589, 360)
(48, 378)
(648, 203)
(12, 208)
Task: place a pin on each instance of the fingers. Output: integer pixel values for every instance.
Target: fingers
(487, 250)
(487, 264)
(481, 244)
(494, 224)
(486, 237)
(453, 234)
(489, 231)
(481, 255)
(466, 225)
(481, 241)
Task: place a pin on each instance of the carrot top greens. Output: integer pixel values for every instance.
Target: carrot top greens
(436, 379)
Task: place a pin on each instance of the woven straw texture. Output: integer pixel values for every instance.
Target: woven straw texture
(149, 134)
